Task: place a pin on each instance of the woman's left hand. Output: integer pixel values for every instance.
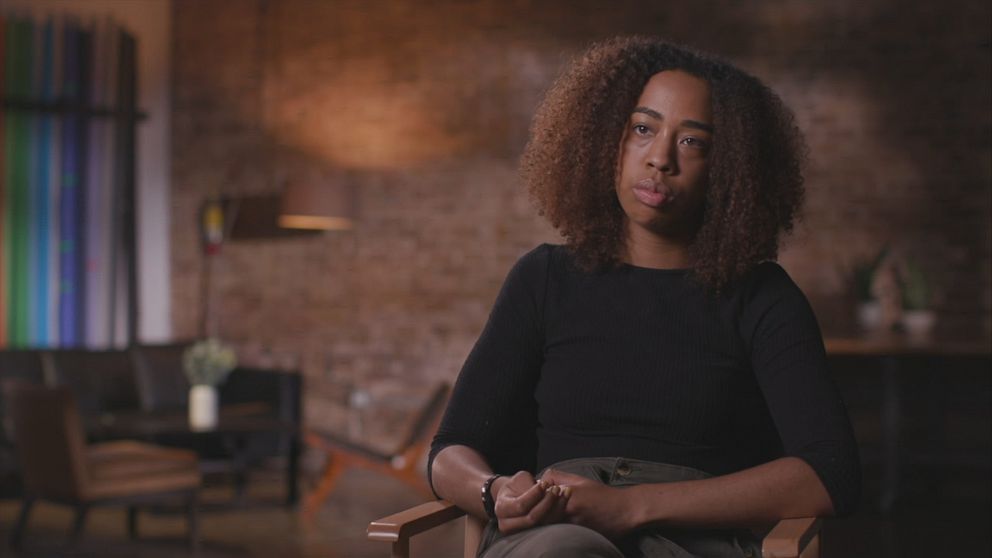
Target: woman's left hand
(592, 504)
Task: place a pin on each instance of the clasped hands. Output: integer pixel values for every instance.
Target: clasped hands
(523, 502)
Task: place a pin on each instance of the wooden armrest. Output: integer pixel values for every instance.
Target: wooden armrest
(405, 524)
(789, 537)
(787, 540)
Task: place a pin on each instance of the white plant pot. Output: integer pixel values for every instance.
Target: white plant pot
(202, 407)
(870, 315)
(918, 323)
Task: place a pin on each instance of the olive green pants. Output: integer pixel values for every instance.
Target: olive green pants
(574, 541)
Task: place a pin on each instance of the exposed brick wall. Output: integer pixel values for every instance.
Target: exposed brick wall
(424, 106)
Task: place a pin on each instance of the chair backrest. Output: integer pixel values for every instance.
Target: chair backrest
(49, 440)
(161, 382)
(280, 394)
(102, 381)
(23, 364)
(18, 365)
(280, 391)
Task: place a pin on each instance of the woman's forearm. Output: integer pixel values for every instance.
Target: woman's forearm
(755, 497)
(458, 473)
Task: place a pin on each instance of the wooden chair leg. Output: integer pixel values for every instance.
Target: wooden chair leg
(293, 471)
(132, 522)
(240, 483)
(314, 500)
(22, 520)
(82, 510)
(192, 523)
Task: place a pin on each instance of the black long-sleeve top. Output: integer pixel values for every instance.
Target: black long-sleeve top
(644, 364)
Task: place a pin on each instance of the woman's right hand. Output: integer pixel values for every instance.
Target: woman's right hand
(522, 502)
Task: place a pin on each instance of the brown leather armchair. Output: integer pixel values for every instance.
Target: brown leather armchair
(57, 464)
(791, 538)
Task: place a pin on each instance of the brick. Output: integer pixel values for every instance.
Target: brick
(424, 106)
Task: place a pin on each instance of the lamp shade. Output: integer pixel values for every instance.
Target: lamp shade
(317, 207)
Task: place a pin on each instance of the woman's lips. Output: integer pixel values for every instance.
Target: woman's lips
(653, 194)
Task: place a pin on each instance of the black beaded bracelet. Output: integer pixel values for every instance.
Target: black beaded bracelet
(488, 502)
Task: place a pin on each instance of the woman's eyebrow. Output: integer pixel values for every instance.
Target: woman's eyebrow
(687, 123)
(650, 112)
(698, 125)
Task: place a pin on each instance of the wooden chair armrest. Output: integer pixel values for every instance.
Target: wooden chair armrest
(407, 523)
(789, 538)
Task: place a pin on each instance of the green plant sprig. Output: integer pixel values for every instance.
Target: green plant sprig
(915, 287)
(208, 362)
(864, 275)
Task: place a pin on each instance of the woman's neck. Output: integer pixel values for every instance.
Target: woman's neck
(646, 249)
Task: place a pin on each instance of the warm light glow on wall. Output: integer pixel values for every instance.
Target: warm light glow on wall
(359, 119)
(317, 207)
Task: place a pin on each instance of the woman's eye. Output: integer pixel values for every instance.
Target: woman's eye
(694, 142)
(641, 129)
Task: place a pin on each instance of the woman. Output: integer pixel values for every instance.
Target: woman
(664, 380)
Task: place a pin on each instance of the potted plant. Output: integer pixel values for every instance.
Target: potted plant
(207, 364)
(917, 317)
(869, 310)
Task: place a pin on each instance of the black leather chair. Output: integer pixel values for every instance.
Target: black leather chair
(23, 366)
(58, 465)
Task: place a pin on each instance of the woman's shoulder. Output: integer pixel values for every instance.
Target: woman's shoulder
(768, 276)
(541, 260)
(767, 292)
(546, 251)
(766, 285)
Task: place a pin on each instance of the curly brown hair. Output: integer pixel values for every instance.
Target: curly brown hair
(755, 185)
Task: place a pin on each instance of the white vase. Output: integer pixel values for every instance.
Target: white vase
(918, 323)
(870, 315)
(202, 407)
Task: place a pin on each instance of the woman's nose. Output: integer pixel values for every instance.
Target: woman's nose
(661, 154)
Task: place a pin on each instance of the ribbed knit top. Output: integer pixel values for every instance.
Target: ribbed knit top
(644, 364)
